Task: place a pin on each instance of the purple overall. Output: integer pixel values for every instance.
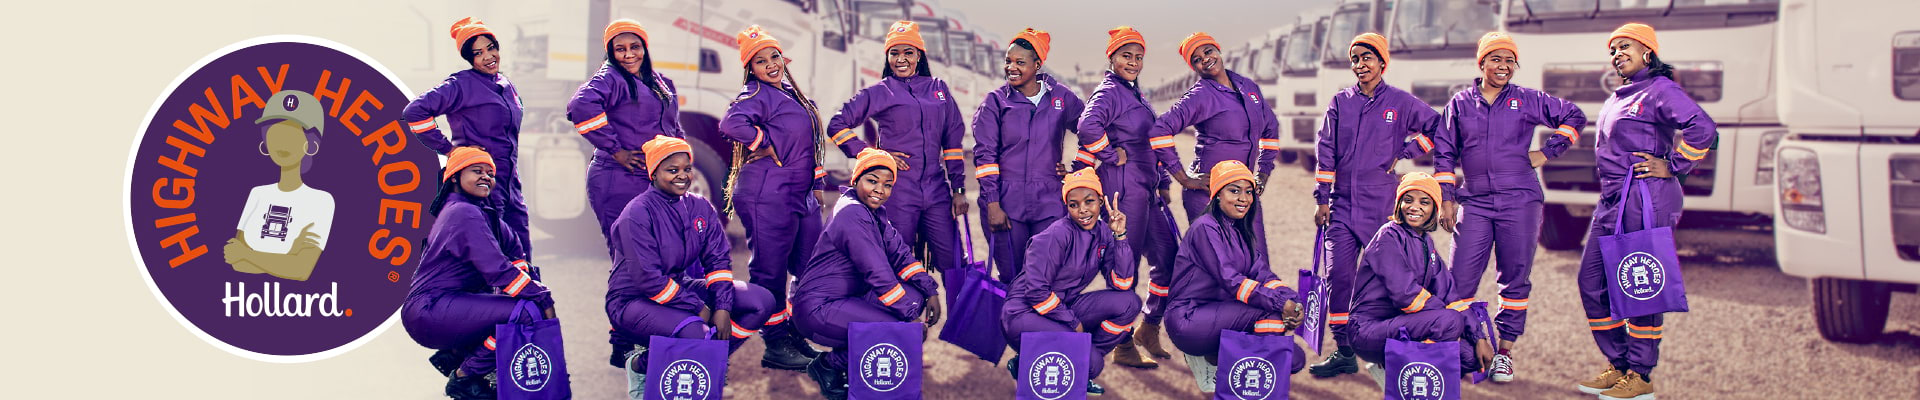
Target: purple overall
(1047, 297)
(616, 114)
(1404, 285)
(484, 111)
(1498, 191)
(1016, 147)
(1221, 283)
(468, 282)
(1233, 123)
(862, 271)
(773, 196)
(1640, 117)
(670, 264)
(917, 117)
(1118, 117)
(1360, 140)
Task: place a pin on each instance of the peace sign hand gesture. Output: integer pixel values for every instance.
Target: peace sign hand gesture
(1116, 220)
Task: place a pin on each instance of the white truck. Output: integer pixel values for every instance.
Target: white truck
(1296, 102)
(1720, 59)
(1433, 43)
(1848, 171)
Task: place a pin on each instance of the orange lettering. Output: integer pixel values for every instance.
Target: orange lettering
(178, 185)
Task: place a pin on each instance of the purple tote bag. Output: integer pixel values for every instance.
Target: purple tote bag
(686, 369)
(1643, 271)
(1422, 371)
(883, 360)
(1253, 366)
(973, 305)
(529, 360)
(1054, 365)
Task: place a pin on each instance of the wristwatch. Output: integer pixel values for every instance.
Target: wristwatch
(960, 190)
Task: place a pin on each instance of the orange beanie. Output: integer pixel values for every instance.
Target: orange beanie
(1378, 42)
(1496, 41)
(662, 146)
(871, 158)
(753, 40)
(1193, 42)
(467, 28)
(1638, 32)
(907, 33)
(1042, 41)
(1122, 35)
(625, 25)
(1227, 172)
(461, 158)
(1084, 178)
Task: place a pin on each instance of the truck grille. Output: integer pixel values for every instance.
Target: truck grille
(1304, 130)
(1905, 205)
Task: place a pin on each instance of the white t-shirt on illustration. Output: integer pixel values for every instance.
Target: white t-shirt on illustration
(273, 218)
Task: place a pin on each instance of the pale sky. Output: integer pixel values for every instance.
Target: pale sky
(1079, 27)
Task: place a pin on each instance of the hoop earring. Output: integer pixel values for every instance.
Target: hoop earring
(312, 149)
(263, 147)
(1644, 57)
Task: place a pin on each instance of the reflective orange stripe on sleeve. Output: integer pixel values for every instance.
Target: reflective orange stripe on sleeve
(591, 124)
(1419, 302)
(422, 126)
(1052, 302)
(666, 294)
(894, 295)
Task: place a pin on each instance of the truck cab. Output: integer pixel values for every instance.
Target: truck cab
(1718, 62)
(1847, 209)
(1296, 101)
(1434, 44)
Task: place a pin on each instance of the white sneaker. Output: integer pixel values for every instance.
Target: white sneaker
(636, 381)
(1202, 372)
(1502, 368)
(1379, 375)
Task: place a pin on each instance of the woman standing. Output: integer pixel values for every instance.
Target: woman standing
(1221, 280)
(1486, 131)
(1363, 136)
(1062, 261)
(1114, 130)
(1404, 286)
(485, 110)
(671, 276)
(472, 274)
(1636, 142)
(920, 126)
(1017, 133)
(619, 109)
(769, 192)
(1232, 120)
(272, 238)
(863, 271)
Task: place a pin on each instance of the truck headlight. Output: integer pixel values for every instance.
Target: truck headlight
(1769, 142)
(1801, 203)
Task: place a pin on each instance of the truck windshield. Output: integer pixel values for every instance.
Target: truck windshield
(1301, 51)
(1531, 9)
(1340, 31)
(1441, 24)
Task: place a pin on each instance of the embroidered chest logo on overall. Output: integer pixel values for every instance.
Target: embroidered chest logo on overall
(1389, 115)
(940, 95)
(1058, 104)
(1513, 104)
(700, 224)
(1254, 97)
(1633, 109)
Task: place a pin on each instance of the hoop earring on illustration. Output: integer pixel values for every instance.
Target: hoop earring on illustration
(312, 149)
(263, 147)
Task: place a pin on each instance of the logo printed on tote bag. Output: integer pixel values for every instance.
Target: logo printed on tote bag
(1051, 375)
(685, 379)
(1641, 276)
(1420, 381)
(883, 367)
(275, 198)
(1252, 378)
(532, 368)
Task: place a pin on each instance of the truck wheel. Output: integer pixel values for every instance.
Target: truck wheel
(1850, 311)
(1560, 230)
(1289, 156)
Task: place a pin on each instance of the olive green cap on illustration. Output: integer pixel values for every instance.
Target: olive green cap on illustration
(297, 106)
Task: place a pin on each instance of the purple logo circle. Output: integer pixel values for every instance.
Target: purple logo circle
(276, 208)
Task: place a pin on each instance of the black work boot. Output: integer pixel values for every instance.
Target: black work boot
(782, 354)
(1342, 361)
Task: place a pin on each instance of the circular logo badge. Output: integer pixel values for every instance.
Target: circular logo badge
(1251, 378)
(1641, 276)
(684, 380)
(532, 368)
(883, 367)
(1050, 376)
(276, 200)
(1312, 309)
(1420, 381)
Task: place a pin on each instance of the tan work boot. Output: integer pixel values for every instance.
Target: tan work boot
(1631, 387)
(1148, 338)
(1129, 355)
(1601, 383)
